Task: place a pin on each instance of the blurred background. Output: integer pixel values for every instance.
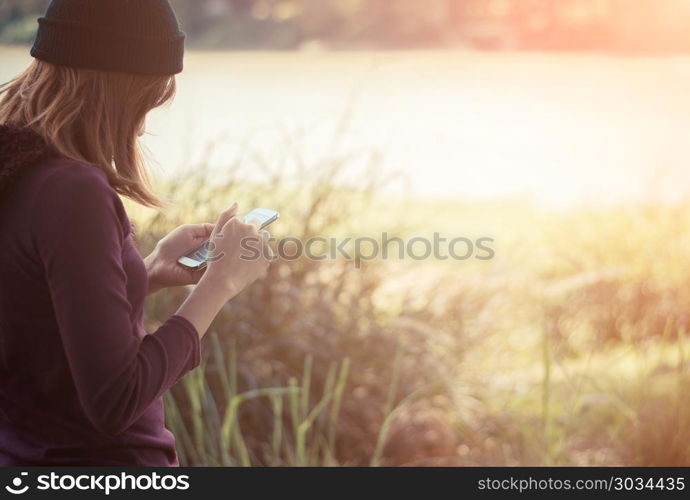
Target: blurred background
(558, 128)
(619, 25)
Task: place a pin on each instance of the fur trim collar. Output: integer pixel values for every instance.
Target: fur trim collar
(20, 148)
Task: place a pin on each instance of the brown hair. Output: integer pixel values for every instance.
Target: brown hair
(90, 116)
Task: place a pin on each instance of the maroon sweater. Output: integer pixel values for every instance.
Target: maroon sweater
(80, 380)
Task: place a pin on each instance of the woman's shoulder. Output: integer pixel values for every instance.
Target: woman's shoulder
(63, 180)
(66, 173)
(63, 184)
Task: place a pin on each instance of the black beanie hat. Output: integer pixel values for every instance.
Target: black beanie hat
(130, 36)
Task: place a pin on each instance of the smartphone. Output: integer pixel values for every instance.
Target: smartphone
(196, 259)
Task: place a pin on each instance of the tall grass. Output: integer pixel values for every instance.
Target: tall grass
(569, 348)
(209, 431)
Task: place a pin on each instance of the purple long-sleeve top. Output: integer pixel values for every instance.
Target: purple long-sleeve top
(81, 382)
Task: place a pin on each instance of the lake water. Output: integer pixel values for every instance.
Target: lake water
(559, 129)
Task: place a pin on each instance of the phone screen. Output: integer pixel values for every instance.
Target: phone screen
(198, 257)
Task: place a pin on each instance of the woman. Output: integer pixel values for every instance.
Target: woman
(80, 381)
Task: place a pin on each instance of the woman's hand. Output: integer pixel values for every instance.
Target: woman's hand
(237, 257)
(238, 254)
(162, 266)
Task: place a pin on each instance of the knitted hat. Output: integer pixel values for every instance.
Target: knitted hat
(129, 36)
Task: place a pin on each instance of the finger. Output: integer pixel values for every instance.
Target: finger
(202, 231)
(267, 247)
(208, 229)
(224, 218)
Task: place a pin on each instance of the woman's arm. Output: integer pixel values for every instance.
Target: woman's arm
(229, 270)
(78, 230)
(78, 225)
(202, 306)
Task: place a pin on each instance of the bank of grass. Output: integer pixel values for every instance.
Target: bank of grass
(568, 348)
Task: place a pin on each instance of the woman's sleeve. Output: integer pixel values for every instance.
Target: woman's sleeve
(79, 236)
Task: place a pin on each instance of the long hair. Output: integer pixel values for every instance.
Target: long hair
(90, 116)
